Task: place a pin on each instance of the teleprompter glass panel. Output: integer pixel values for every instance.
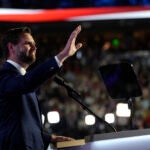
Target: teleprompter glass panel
(120, 80)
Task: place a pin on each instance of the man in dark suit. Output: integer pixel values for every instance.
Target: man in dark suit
(20, 118)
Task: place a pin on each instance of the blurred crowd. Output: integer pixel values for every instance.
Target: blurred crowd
(34, 4)
(81, 71)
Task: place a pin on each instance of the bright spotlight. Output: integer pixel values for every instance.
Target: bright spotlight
(89, 120)
(43, 119)
(123, 110)
(53, 117)
(110, 118)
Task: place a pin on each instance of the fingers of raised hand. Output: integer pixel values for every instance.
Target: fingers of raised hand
(75, 32)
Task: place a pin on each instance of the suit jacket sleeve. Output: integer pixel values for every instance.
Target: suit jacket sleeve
(12, 83)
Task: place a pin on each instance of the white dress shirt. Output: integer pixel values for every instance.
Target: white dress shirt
(19, 68)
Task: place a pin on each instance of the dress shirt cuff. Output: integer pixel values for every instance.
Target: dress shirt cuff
(58, 62)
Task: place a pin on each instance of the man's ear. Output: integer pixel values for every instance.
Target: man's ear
(11, 48)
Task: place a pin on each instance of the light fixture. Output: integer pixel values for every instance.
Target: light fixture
(53, 117)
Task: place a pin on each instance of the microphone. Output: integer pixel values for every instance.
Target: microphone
(59, 80)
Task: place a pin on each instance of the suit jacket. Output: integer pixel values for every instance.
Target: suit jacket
(20, 118)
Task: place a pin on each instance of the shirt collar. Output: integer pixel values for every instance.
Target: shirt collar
(19, 68)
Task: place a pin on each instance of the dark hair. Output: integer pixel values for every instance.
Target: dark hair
(13, 36)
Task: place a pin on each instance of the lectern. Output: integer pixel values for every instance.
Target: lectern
(124, 140)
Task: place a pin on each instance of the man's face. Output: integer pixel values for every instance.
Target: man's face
(26, 49)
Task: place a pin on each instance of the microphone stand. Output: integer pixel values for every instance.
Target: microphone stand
(131, 107)
(76, 96)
